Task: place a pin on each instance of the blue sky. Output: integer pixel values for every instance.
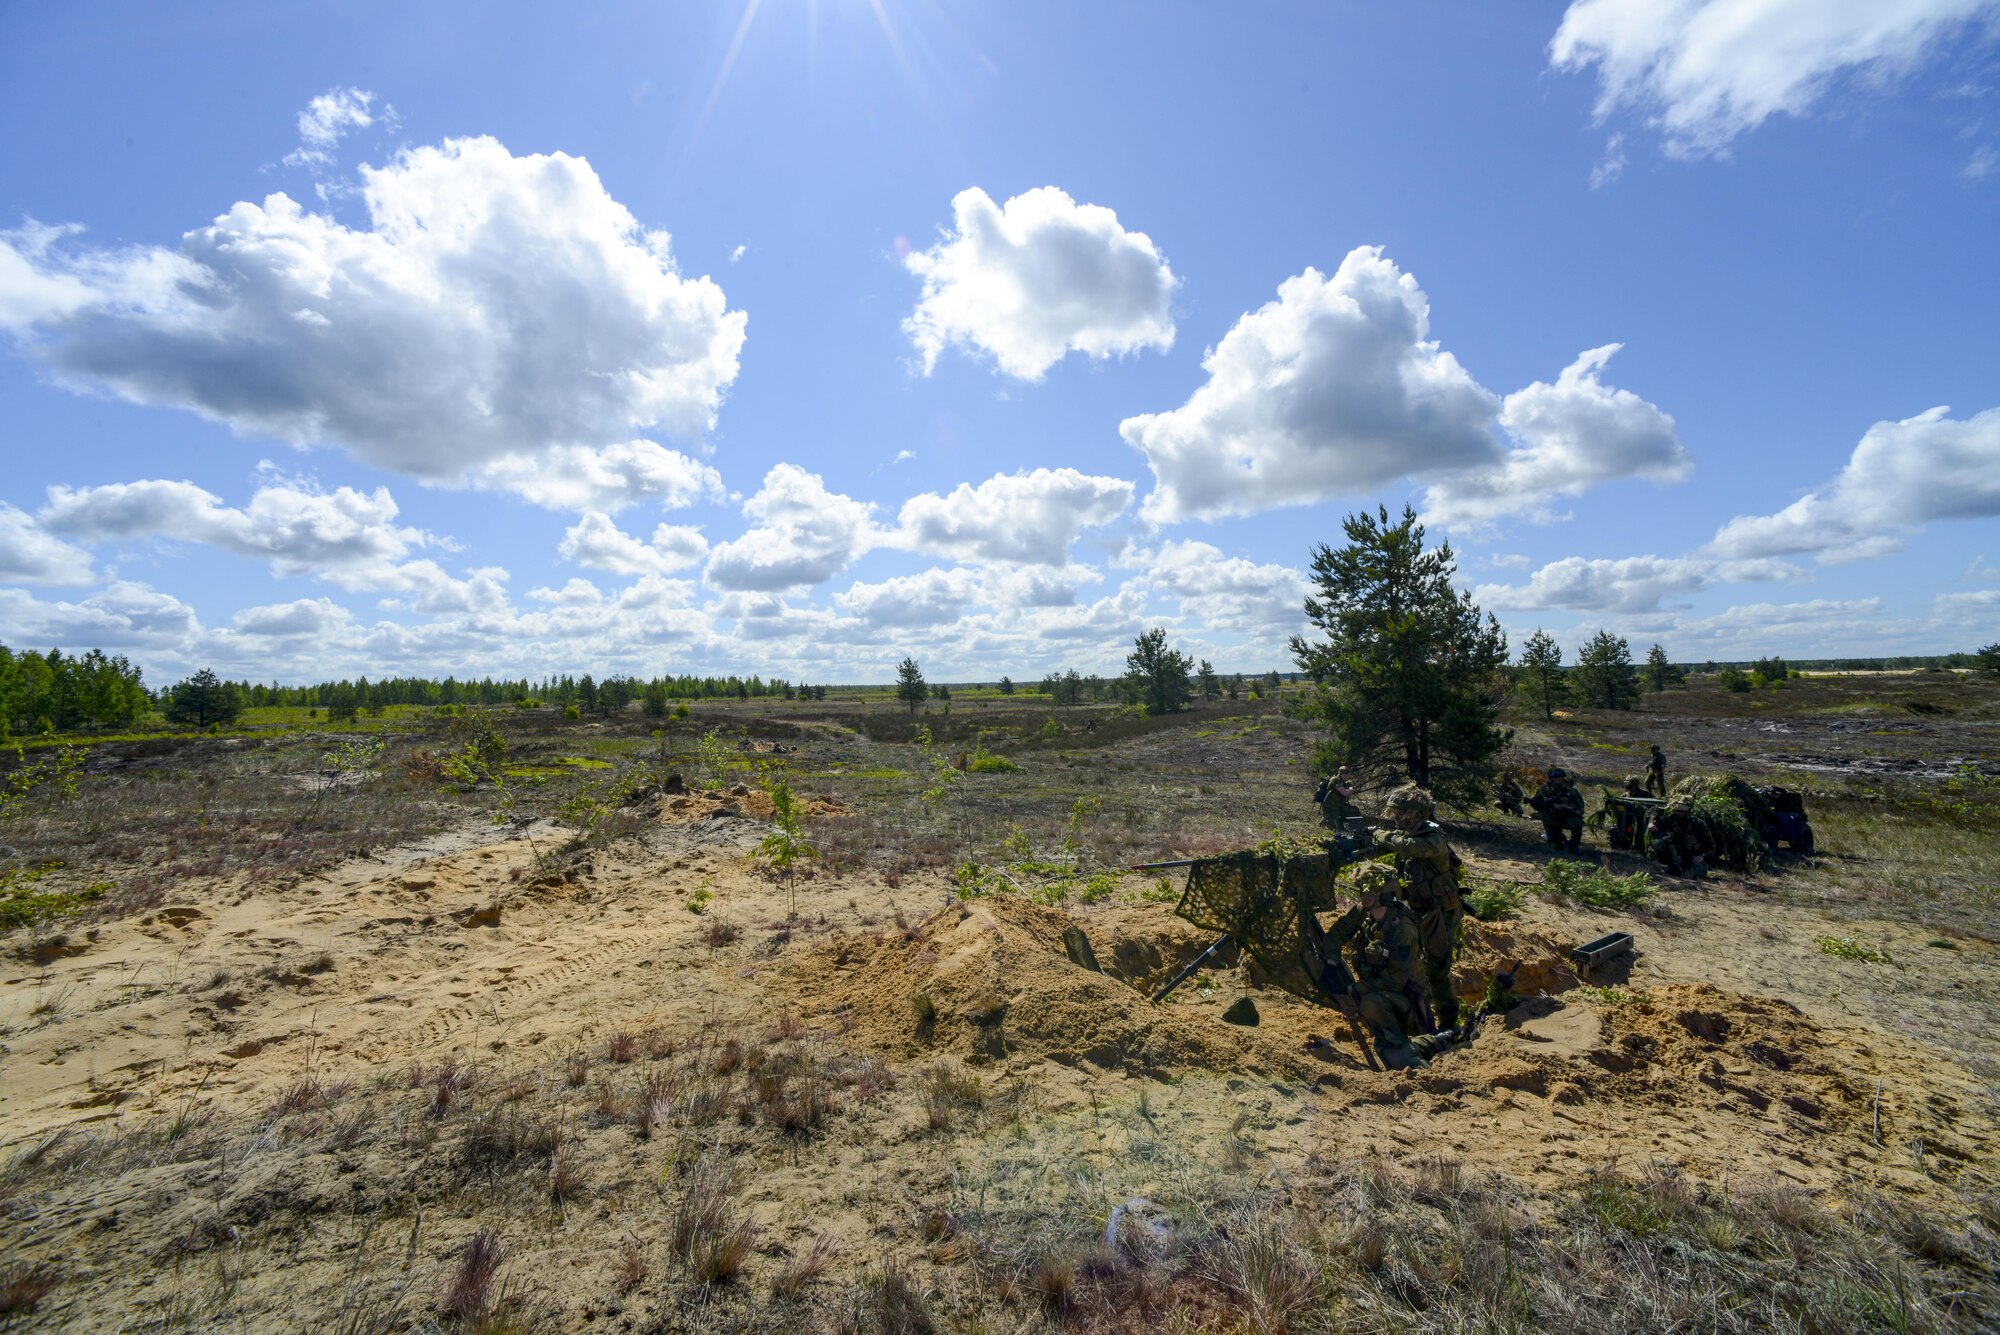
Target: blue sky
(797, 336)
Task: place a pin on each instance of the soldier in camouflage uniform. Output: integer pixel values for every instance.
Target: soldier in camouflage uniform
(1388, 964)
(1335, 798)
(1634, 787)
(1507, 795)
(1675, 842)
(1430, 888)
(1560, 806)
(1656, 772)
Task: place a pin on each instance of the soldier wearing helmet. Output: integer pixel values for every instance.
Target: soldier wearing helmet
(1430, 887)
(1388, 965)
(1560, 806)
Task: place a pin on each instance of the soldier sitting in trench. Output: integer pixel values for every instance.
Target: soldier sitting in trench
(1388, 964)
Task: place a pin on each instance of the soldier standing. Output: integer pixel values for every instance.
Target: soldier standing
(1335, 796)
(1656, 772)
(1560, 806)
(1388, 968)
(1430, 888)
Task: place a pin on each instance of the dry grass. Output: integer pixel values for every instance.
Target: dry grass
(948, 1089)
(707, 1233)
(469, 1292)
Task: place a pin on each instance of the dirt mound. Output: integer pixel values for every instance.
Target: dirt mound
(1685, 1048)
(1538, 960)
(989, 980)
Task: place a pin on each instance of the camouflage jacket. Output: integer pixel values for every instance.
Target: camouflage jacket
(1424, 861)
(1558, 798)
(1388, 957)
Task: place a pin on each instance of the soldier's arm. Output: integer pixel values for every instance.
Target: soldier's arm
(1424, 846)
(1344, 928)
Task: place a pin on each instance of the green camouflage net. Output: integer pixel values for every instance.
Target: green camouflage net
(1257, 896)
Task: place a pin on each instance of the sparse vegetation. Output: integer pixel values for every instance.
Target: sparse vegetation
(1577, 883)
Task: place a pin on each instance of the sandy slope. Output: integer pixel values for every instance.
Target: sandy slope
(1746, 1052)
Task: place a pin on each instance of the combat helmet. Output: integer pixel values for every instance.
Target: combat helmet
(1373, 880)
(1409, 800)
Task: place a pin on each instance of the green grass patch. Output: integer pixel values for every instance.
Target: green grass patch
(988, 763)
(1595, 888)
(1494, 900)
(1159, 890)
(23, 905)
(1848, 948)
(877, 772)
(1609, 996)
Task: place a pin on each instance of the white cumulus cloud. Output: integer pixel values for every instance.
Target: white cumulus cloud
(122, 616)
(1569, 436)
(930, 598)
(805, 535)
(327, 120)
(597, 542)
(30, 554)
(495, 306)
(1220, 593)
(1021, 517)
(1704, 71)
(609, 478)
(1039, 277)
(298, 529)
(1900, 477)
(1334, 387)
(1630, 584)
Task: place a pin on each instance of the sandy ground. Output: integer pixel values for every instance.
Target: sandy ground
(1732, 1046)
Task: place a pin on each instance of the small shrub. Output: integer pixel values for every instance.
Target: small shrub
(1494, 900)
(22, 905)
(1849, 948)
(986, 762)
(1595, 888)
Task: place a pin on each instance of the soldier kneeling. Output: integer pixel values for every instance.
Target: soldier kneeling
(1388, 963)
(1675, 840)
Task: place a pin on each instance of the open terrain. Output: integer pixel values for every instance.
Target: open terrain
(336, 1037)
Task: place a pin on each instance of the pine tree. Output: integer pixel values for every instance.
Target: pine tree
(1158, 675)
(1205, 680)
(910, 687)
(1541, 660)
(1660, 669)
(1604, 672)
(203, 699)
(1407, 683)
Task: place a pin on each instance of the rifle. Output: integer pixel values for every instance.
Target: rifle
(1338, 982)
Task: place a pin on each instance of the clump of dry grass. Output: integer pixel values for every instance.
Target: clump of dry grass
(888, 1302)
(469, 1292)
(568, 1178)
(947, 1089)
(805, 1266)
(707, 1233)
(24, 1284)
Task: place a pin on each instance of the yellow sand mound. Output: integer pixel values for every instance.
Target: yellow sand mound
(989, 980)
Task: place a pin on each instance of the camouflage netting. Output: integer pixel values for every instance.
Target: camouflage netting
(1257, 896)
(1731, 816)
